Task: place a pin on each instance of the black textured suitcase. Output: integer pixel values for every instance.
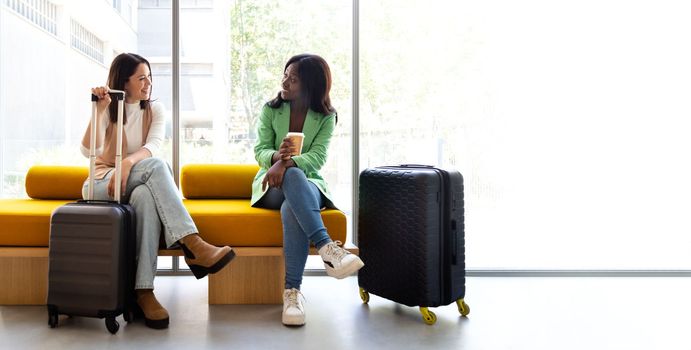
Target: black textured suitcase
(411, 237)
(91, 253)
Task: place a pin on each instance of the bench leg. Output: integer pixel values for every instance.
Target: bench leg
(24, 276)
(255, 276)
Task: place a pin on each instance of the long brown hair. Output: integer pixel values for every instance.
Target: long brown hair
(315, 83)
(123, 67)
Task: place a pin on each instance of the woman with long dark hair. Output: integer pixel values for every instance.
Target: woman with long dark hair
(147, 182)
(291, 182)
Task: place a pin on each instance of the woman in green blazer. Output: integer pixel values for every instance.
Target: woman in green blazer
(291, 182)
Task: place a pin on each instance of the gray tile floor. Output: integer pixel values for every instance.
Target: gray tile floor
(506, 313)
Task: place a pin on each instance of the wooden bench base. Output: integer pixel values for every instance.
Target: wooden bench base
(255, 276)
(23, 276)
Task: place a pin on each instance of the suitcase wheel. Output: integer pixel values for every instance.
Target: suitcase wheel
(428, 316)
(463, 308)
(53, 319)
(112, 325)
(364, 295)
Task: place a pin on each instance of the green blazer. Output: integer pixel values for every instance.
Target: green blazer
(273, 127)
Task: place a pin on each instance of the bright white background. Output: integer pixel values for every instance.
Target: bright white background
(568, 119)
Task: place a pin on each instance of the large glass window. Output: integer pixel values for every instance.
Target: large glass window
(232, 59)
(45, 105)
(233, 55)
(568, 121)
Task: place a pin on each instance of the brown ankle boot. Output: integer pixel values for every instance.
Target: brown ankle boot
(204, 258)
(155, 315)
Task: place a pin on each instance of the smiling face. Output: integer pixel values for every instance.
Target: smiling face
(138, 86)
(291, 83)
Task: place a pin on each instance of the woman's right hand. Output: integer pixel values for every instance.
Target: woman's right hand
(285, 150)
(103, 98)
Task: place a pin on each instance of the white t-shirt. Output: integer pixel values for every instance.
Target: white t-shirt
(133, 129)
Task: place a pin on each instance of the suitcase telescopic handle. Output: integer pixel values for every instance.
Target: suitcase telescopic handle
(118, 95)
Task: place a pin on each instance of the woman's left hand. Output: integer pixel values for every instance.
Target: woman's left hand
(274, 177)
(125, 168)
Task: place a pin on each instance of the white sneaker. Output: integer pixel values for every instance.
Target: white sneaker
(339, 262)
(293, 310)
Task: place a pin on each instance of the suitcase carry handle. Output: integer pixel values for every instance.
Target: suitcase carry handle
(119, 95)
(417, 166)
(96, 201)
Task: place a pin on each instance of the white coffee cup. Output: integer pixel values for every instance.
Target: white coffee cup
(296, 138)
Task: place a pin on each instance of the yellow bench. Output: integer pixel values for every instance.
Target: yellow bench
(217, 197)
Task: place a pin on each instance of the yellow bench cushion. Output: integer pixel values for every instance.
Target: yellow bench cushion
(26, 222)
(232, 221)
(208, 181)
(55, 182)
(236, 223)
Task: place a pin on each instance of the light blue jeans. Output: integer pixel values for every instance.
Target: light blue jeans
(300, 202)
(156, 201)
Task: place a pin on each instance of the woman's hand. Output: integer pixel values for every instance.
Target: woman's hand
(274, 177)
(103, 98)
(285, 150)
(126, 167)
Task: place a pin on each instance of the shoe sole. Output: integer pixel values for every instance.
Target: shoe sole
(293, 321)
(157, 324)
(138, 313)
(346, 271)
(201, 271)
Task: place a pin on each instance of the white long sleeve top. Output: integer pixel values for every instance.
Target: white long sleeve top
(133, 129)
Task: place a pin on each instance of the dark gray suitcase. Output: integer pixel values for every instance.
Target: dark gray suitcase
(92, 255)
(411, 237)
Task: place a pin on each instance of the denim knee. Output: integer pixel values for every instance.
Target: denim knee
(139, 194)
(153, 165)
(156, 164)
(293, 174)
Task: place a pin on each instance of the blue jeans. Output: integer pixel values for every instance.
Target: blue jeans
(300, 202)
(156, 201)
